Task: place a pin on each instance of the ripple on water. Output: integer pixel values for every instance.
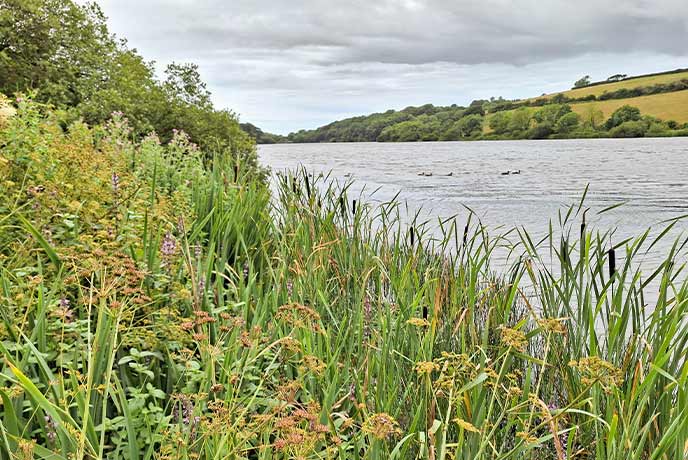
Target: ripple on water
(646, 174)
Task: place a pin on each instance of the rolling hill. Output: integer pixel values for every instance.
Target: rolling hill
(661, 98)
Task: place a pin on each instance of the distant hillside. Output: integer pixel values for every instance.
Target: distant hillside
(261, 136)
(599, 88)
(588, 111)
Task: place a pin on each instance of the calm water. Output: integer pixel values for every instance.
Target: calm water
(649, 175)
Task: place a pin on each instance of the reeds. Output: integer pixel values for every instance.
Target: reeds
(280, 326)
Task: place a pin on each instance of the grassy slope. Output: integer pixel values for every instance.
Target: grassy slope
(615, 86)
(626, 84)
(666, 106)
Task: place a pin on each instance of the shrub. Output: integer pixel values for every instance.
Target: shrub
(540, 131)
(567, 123)
(623, 114)
(629, 129)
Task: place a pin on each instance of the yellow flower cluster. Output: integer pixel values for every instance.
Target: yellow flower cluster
(594, 369)
(513, 338)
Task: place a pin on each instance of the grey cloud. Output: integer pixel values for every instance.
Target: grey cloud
(467, 31)
(287, 65)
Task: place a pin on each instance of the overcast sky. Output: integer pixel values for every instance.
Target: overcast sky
(286, 65)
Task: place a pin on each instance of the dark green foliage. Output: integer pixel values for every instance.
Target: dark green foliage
(617, 77)
(551, 113)
(465, 128)
(64, 52)
(567, 123)
(499, 123)
(623, 114)
(432, 123)
(540, 131)
(261, 136)
(583, 82)
(629, 129)
(56, 45)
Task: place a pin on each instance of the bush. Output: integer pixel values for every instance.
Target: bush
(540, 131)
(567, 123)
(629, 129)
(622, 115)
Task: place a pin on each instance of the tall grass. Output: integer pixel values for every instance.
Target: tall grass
(198, 315)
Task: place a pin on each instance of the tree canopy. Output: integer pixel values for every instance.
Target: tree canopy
(63, 53)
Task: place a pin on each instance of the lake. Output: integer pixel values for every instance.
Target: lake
(649, 175)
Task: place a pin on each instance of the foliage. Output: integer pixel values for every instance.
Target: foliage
(582, 82)
(541, 130)
(622, 115)
(567, 123)
(431, 123)
(536, 118)
(64, 52)
(156, 306)
(56, 45)
(260, 136)
(499, 122)
(629, 129)
(520, 121)
(466, 128)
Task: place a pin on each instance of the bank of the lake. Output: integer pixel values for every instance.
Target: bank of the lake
(159, 305)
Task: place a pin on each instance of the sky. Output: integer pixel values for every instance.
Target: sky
(298, 64)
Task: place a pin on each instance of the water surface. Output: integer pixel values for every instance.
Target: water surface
(649, 175)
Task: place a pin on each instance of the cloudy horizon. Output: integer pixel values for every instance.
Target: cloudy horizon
(286, 66)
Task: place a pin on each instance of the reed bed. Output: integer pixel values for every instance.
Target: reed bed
(160, 305)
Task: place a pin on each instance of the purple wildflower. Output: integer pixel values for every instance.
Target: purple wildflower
(187, 410)
(168, 246)
(367, 313)
(194, 424)
(51, 428)
(115, 182)
(63, 311)
(352, 392)
(367, 307)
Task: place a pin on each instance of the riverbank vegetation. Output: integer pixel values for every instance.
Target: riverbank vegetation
(160, 304)
(550, 121)
(159, 300)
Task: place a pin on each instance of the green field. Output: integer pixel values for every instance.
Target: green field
(665, 106)
(625, 84)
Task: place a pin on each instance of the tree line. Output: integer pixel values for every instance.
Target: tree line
(433, 123)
